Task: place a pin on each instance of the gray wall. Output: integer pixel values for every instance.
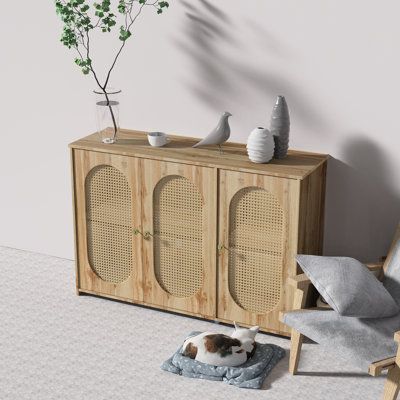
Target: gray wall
(336, 62)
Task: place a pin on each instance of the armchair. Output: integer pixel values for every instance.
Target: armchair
(369, 339)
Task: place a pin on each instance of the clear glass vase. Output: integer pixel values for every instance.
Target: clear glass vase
(107, 114)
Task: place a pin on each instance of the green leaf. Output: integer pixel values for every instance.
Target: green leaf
(124, 34)
(77, 19)
(121, 6)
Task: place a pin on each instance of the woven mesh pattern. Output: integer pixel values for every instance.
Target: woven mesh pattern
(109, 223)
(178, 254)
(255, 249)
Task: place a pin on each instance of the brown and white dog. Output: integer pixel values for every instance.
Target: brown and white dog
(222, 350)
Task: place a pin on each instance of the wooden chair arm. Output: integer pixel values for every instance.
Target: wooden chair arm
(299, 281)
(375, 266)
(376, 368)
(302, 283)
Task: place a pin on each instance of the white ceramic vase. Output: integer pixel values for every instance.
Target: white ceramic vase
(260, 145)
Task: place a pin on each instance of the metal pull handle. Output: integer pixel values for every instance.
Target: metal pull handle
(222, 247)
(136, 232)
(146, 235)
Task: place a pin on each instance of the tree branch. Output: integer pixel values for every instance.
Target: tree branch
(123, 44)
(78, 25)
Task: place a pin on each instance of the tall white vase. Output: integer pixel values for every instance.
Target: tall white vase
(280, 127)
(260, 145)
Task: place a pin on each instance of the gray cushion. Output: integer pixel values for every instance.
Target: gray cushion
(366, 340)
(348, 286)
(392, 273)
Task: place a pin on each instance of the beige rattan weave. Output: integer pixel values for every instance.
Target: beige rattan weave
(109, 223)
(178, 226)
(255, 249)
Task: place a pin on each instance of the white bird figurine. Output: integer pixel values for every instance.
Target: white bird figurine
(220, 134)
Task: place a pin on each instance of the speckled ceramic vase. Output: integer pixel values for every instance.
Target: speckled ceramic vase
(280, 127)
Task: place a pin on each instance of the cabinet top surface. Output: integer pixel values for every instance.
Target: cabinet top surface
(297, 165)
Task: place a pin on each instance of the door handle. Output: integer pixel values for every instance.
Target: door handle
(221, 248)
(146, 235)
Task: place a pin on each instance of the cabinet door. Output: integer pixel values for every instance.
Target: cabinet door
(108, 208)
(179, 255)
(258, 241)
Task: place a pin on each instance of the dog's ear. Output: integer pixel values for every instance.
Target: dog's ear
(236, 325)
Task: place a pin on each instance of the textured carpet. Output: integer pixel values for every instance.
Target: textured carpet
(56, 345)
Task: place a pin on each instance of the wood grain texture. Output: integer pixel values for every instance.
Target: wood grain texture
(377, 367)
(392, 384)
(299, 301)
(295, 349)
(287, 192)
(297, 165)
(300, 281)
(149, 305)
(391, 253)
(311, 219)
(84, 162)
(312, 212)
(75, 224)
(297, 183)
(202, 303)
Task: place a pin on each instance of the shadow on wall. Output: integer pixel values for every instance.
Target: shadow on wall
(362, 209)
(226, 73)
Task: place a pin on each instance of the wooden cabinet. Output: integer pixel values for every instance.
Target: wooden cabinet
(192, 230)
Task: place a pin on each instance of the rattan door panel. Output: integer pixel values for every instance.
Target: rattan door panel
(258, 229)
(180, 212)
(108, 207)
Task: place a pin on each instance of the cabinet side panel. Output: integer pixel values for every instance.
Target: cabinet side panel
(312, 211)
(73, 190)
(311, 219)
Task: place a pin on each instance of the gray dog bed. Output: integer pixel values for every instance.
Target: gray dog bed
(250, 375)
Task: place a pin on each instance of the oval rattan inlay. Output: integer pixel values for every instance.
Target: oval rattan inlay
(178, 236)
(109, 223)
(256, 224)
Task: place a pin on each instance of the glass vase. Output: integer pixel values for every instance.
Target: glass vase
(107, 114)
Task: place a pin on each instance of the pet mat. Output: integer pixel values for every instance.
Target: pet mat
(250, 375)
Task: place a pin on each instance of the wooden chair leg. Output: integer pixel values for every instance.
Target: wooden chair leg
(295, 349)
(392, 384)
